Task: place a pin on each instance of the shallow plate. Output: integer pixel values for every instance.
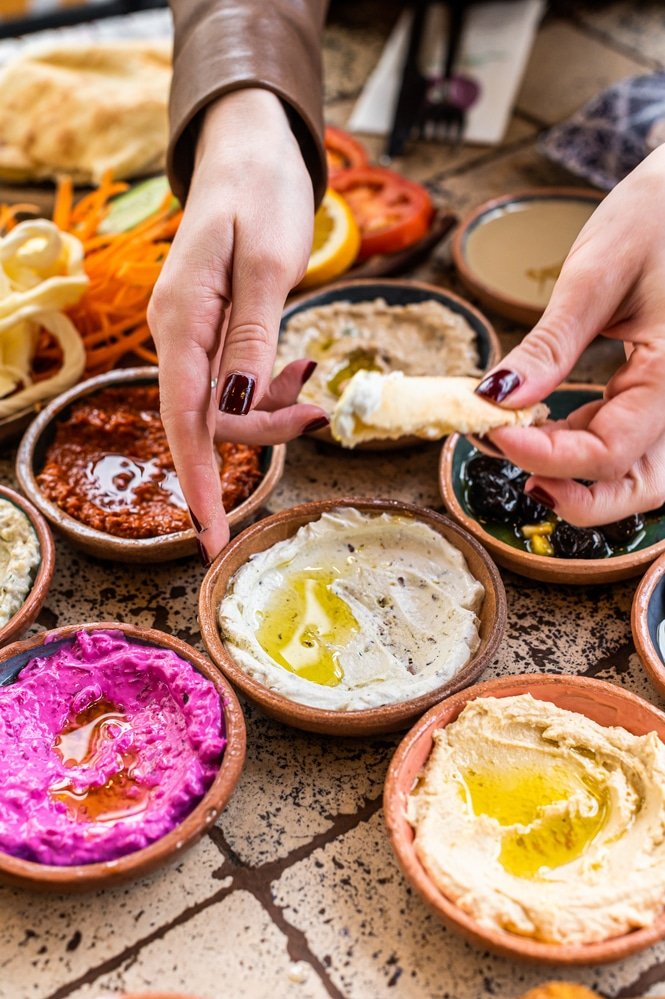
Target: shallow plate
(84, 877)
(34, 601)
(509, 250)
(30, 460)
(371, 721)
(646, 620)
(506, 548)
(400, 292)
(604, 703)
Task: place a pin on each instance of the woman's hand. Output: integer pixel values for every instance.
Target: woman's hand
(243, 243)
(612, 284)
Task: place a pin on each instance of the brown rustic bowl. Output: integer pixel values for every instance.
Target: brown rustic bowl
(401, 291)
(548, 569)
(30, 458)
(491, 296)
(32, 604)
(85, 877)
(647, 614)
(605, 703)
(371, 721)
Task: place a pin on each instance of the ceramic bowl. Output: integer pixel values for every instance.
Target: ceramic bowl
(606, 704)
(540, 245)
(399, 292)
(34, 601)
(30, 460)
(501, 542)
(647, 621)
(85, 877)
(371, 721)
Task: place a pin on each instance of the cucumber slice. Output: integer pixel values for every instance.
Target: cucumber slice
(140, 202)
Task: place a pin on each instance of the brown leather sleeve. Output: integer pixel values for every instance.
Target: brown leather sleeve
(224, 45)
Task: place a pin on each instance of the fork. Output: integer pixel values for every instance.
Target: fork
(443, 112)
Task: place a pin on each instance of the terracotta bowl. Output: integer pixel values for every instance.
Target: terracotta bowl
(493, 295)
(34, 601)
(85, 877)
(500, 542)
(371, 721)
(398, 292)
(606, 704)
(647, 617)
(30, 460)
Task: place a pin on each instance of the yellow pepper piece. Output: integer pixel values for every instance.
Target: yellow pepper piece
(540, 545)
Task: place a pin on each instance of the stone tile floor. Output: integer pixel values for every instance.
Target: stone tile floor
(295, 893)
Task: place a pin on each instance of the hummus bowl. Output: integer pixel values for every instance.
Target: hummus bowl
(507, 543)
(599, 702)
(245, 552)
(136, 821)
(40, 435)
(40, 575)
(647, 621)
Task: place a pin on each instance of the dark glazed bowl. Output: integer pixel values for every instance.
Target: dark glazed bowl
(34, 601)
(647, 621)
(85, 877)
(30, 460)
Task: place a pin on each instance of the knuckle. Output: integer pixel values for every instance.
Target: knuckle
(249, 338)
(547, 346)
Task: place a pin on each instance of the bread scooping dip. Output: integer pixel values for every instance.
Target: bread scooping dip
(107, 745)
(19, 559)
(538, 821)
(353, 611)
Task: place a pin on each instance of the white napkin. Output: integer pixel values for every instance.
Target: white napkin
(496, 43)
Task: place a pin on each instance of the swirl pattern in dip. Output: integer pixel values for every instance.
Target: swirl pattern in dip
(354, 611)
(19, 558)
(107, 744)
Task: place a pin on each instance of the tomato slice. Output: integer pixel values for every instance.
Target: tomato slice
(342, 151)
(391, 211)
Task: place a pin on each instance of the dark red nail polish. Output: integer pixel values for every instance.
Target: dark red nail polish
(498, 385)
(206, 561)
(318, 424)
(308, 371)
(541, 496)
(237, 394)
(489, 445)
(195, 521)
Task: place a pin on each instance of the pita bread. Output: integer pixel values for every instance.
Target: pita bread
(85, 110)
(377, 406)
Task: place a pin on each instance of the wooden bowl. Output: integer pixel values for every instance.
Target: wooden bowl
(398, 292)
(647, 616)
(499, 541)
(546, 249)
(606, 704)
(85, 877)
(371, 721)
(30, 460)
(34, 601)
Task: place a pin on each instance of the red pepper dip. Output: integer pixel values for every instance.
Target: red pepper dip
(110, 466)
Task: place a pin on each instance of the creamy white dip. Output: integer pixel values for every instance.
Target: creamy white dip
(19, 557)
(380, 609)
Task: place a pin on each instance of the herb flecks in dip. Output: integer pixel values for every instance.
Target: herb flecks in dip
(539, 821)
(420, 338)
(19, 558)
(110, 466)
(107, 744)
(353, 611)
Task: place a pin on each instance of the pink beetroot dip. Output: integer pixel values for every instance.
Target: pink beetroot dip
(105, 746)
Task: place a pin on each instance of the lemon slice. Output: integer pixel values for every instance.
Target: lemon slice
(336, 241)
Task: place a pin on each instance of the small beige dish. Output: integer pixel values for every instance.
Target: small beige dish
(602, 702)
(647, 621)
(31, 606)
(371, 721)
(85, 877)
(162, 548)
(508, 251)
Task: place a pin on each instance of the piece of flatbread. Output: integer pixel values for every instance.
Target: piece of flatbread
(375, 406)
(84, 110)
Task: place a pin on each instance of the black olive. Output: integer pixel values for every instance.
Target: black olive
(622, 532)
(578, 542)
(530, 511)
(491, 496)
(482, 464)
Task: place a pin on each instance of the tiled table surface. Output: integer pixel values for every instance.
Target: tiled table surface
(296, 893)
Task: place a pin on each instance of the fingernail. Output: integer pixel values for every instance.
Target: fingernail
(318, 424)
(489, 445)
(195, 521)
(206, 561)
(308, 371)
(237, 394)
(498, 385)
(541, 496)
